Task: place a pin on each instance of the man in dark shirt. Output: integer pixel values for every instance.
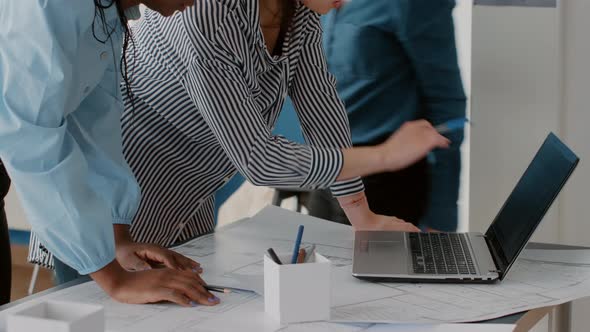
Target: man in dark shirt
(396, 61)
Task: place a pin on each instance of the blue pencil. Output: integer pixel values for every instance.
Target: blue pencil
(297, 245)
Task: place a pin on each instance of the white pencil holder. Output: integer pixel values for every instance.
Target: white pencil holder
(296, 293)
(57, 317)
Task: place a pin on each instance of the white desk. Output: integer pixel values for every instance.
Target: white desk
(276, 227)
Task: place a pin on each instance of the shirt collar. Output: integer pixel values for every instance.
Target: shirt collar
(133, 13)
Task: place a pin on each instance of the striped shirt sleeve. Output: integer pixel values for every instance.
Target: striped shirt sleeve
(218, 83)
(322, 114)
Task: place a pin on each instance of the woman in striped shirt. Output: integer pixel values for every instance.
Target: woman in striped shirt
(207, 86)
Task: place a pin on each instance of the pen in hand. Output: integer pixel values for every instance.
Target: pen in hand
(446, 128)
(451, 125)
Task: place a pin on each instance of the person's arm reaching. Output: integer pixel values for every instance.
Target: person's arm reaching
(324, 123)
(222, 95)
(218, 84)
(219, 81)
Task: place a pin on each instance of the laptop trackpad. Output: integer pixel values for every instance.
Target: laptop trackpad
(384, 246)
(387, 254)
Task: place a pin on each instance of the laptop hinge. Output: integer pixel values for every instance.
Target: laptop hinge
(495, 257)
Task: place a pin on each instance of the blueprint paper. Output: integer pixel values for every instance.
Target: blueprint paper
(531, 284)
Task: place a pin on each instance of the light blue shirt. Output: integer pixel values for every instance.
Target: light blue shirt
(60, 136)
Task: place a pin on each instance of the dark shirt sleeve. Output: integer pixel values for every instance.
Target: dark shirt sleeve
(429, 41)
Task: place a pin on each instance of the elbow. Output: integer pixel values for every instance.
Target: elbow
(273, 166)
(258, 177)
(264, 173)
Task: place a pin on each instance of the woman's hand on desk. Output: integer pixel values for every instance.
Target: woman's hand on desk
(361, 217)
(378, 222)
(135, 256)
(151, 286)
(178, 282)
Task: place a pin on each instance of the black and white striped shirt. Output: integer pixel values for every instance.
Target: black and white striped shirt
(206, 97)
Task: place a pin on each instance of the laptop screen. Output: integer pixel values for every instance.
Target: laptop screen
(529, 201)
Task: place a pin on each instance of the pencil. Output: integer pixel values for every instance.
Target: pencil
(274, 256)
(297, 245)
(301, 256)
(226, 289)
(217, 289)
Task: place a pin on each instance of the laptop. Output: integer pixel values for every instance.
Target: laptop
(470, 257)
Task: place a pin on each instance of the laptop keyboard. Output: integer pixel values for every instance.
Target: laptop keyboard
(441, 253)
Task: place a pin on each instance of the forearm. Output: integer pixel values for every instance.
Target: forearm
(356, 208)
(109, 277)
(122, 234)
(361, 217)
(361, 161)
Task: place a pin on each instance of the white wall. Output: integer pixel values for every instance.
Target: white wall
(515, 100)
(462, 17)
(574, 209)
(575, 116)
(531, 74)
